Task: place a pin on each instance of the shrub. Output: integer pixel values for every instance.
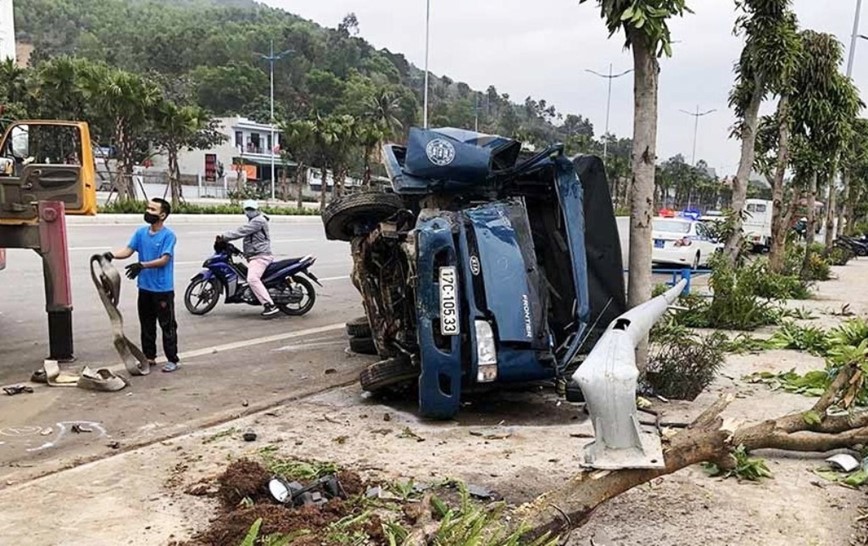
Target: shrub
(131, 206)
(682, 364)
(839, 256)
(801, 338)
(736, 305)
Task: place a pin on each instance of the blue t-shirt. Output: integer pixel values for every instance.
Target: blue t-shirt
(152, 246)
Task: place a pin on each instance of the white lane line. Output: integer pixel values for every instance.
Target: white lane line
(247, 343)
(335, 278)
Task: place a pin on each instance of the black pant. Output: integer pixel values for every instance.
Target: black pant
(154, 307)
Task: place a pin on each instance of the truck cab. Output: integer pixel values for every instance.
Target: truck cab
(481, 265)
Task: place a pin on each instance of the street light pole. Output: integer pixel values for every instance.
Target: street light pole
(425, 93)
(696, 117)
(609, 77)
(271, 58)
(856, 36)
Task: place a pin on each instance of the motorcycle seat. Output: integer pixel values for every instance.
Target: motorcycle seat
(276, 266)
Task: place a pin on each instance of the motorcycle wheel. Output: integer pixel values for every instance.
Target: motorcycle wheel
(308, 297)
(202, 295)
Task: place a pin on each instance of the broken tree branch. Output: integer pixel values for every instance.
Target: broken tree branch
(710, 438)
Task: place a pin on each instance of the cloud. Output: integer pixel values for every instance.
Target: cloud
(542, 49)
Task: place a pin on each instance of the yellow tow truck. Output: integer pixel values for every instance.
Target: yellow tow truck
(47, 170)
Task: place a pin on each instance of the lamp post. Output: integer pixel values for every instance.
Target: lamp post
(609, 77)
(856, 35)
(696, 117)
(425, 92)
(272, 58)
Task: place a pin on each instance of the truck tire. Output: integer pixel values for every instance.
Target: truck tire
(387, 373)
(346, 216)
(363, 345)
(359, 327)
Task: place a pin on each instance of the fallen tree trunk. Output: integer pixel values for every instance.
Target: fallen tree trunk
(710, 438)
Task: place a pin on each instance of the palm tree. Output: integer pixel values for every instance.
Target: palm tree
(769, 56)
(645, 24)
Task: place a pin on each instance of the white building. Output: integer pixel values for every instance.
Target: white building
(248, 147)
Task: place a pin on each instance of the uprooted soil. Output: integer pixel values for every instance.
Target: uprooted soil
(245, 481)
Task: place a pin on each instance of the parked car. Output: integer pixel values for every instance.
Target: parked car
(480, 266)
(681, 241)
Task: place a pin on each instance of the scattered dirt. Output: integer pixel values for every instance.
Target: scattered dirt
(230, 528)
(243, 479)
(247, 479)
(351, 482)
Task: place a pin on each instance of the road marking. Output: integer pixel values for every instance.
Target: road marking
(247, 343)
(335, 278)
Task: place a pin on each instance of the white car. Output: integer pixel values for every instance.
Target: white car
(680, 241)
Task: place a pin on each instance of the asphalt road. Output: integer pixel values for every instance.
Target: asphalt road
(23, 323)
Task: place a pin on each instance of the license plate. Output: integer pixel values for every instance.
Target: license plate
(658, 243)
(449, 325)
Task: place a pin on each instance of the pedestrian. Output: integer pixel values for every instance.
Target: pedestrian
(154, 274)
(257, 250)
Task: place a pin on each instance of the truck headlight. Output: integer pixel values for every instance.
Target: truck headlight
(486, 353)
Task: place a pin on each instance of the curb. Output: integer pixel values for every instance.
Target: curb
(135, 219)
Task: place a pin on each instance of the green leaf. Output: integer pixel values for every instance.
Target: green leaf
(811, 417)
(628, 14)
(252, 534)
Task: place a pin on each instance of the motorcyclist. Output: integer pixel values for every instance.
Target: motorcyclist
(257, 250)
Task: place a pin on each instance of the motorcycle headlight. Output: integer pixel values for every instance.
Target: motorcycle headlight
(486, 353)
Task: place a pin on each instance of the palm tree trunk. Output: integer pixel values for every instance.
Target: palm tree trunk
(322, 193)
(742, 176)
(174, 176)
(642, 190)
(779, 223)
(831, 208)
(809, 232)
(846, 210)
(300, 179)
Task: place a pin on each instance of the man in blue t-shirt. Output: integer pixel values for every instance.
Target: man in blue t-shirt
(155, 245)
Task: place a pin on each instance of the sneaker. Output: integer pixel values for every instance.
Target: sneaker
(270, 311)
(170, 366)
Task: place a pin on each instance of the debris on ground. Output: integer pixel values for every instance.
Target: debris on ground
(17, 389)
(249, 436)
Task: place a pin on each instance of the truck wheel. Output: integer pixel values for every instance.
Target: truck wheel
(359, 327)
(356, 213)
(387, 373)
(363, 345)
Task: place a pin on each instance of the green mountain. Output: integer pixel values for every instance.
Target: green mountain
(214, 46)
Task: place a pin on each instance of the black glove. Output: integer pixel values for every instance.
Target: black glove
(108, 256)
(133, 270)
(220, 244)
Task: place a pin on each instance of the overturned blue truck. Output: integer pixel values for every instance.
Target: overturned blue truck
(480, 264)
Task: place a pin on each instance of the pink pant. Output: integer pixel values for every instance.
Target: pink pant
(255, 268)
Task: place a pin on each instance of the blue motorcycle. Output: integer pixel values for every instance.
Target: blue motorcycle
(288, 281)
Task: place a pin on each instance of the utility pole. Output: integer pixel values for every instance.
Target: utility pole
(425, 93)
(855, 37)
(696, 117)
(476, 114)
(271, 58)
(609, 77)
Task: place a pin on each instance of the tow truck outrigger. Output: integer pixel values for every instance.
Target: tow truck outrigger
(480, 266)
(47, 171)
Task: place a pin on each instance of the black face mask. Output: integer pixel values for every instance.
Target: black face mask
(151, 218)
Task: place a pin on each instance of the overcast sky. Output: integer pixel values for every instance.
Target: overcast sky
(542, 48)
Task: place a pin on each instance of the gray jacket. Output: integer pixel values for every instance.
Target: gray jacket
(257, 238)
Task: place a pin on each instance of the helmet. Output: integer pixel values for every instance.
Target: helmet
(250, 204)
